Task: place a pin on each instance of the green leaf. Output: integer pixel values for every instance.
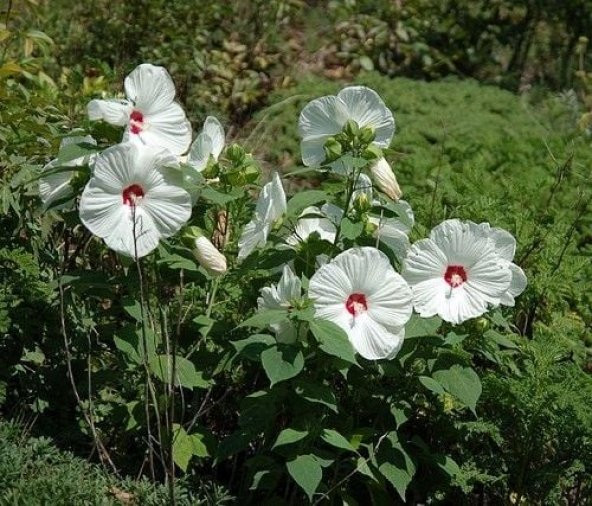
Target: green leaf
(333, 340)
(317, 393)
(289, 436)
(182, 447)
(185, 372)
(132, 307)
(282, 362)
(216, 197)
(306, 472)
(419, 327)
(462, 382)
(453, 338)
(500, 339)
(395, 464)
(351, 229)
(302, 200)
(335, 439)
(75, 150)
(265, 318)
(432, 385)
(252, 346)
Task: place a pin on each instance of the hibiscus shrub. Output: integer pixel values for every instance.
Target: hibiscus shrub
(297, 349)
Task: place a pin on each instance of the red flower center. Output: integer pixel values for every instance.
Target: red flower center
(136, 121)
(455, 275)
(132, 194)
(356, 303)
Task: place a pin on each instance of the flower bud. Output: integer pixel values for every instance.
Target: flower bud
(208, 256)
(367, 135)
(385, 179)
(333, 149)
(351, 129)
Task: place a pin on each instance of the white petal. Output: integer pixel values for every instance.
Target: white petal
(389, 232)
(254, 234)
(167, 128)
(365, 106)
(319, 120)
(278, 204)
(150, 88)
(289, 287)
(215, 131)
(517, 285)
(488, 279)
(424, 261)
(55, 186)
(112, 111)
(200, 151)
(329, 288)
(504, 243)
(372, 340)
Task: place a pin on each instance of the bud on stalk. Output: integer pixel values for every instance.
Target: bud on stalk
(385, 179)
(209, 257)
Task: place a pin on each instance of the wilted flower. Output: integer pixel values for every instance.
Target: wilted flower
(271, 205)
(385, 179)
(461, 270)
(326, 116)
(361, 292)
(149, 113)
(130, 197)
(57, 185)
(209, 142)
(282, 296)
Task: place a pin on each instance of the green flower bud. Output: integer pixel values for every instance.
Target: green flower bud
(372, 152)
(351, 129)
(367, 135)
(333, 149)
(236, 154)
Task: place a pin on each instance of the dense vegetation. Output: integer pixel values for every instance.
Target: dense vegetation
(491, 118)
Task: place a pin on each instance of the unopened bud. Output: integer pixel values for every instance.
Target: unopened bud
(208, 256)
(362, 203)
(367, 135)
(333, 149)
(235, 153)
(351, 129)
(385, 179)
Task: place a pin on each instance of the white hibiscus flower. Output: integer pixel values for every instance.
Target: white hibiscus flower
(326, 116)
(150, 114)
(209, 142)
(271, 205)
(57, 186)
(282, 296)
(361, 292)
(130, 193)
(461, 270)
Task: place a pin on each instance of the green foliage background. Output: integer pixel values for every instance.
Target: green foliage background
(515, 157)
